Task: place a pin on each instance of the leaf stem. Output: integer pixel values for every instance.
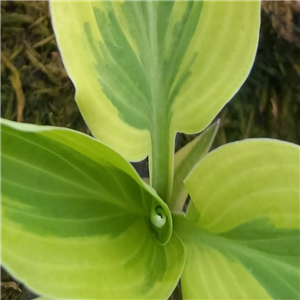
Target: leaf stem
(161, 160)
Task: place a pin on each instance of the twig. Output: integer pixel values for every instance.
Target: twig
(44, 41)
(10, 285)
(17, 86)
(17, 52)
(15, 18)
(39, 65)
(41, 19)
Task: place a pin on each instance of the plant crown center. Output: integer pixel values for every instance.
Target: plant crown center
(158, 217)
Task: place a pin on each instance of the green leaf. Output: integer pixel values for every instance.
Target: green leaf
(241, 233)
(78, 222)
(144, 70)
(185, 160)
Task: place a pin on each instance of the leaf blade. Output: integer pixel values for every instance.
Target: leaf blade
(261, 166)
(256, 237)
(79, 221)
(149, 59)
(185, 159)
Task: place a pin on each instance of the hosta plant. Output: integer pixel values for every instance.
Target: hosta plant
(77, 220)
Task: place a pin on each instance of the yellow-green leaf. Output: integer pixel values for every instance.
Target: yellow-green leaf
(144, 70)
(185, 160)
(78, 222)
(241, 232)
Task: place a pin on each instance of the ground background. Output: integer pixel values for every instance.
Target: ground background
(36, 89)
